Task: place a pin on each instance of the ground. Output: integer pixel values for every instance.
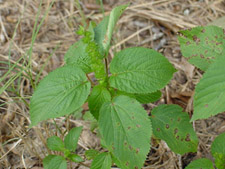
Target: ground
(146, 23)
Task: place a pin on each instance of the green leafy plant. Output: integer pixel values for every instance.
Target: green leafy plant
(217, 151)
(205, 48)
(67, 147)
(135, 73)
(135, 76)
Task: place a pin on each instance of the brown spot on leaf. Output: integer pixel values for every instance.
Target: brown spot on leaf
(129, 128)
(206, 105)
(175, 131)
(127, 163)
(188, 138)
(178, 119)
(158, 129)
(202, 56)
(105, 39)
(125, 143)
(196, 39)
(137, 150)
(177, 137)
(188, 43)
(167, 126)
(219, 43)
(131, 148)
(206, 51)
(133, 117)
(203, 31)
(192, 56)
(138, 125)
(136, 167)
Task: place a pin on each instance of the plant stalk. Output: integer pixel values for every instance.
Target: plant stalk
(92, 83)
(107, 73)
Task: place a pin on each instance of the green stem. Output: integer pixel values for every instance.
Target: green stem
(57, 127)
(107, 73)
(92, 83)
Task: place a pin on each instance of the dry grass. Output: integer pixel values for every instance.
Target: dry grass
(148, 23)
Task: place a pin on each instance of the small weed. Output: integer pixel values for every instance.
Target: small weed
(134, 76)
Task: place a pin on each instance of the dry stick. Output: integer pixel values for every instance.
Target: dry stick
(22, 138)
(179, 161)
(23, 161)
(14, 146)
(85, 165)
(92, 83)
(5, 159)
(131, 36)
(37, 131)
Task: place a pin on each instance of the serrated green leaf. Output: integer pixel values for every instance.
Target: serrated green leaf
(91, 154)
(104, 30)
(91, 27)
(126, 130)
(72, 137)
(218, 151)
(54, 161)
(209, 95)
(55, 143)
(77, 114)
(140, 70)
(75, 158)
(61, 92)
(89, 117)
(99, 95)
(172, 125)
(102, 161)
(202, 163)
(77, 55)
(148, 98)
(202, 44)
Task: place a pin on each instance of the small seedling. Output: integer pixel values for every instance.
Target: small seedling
(67, 147)
(217, 151)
